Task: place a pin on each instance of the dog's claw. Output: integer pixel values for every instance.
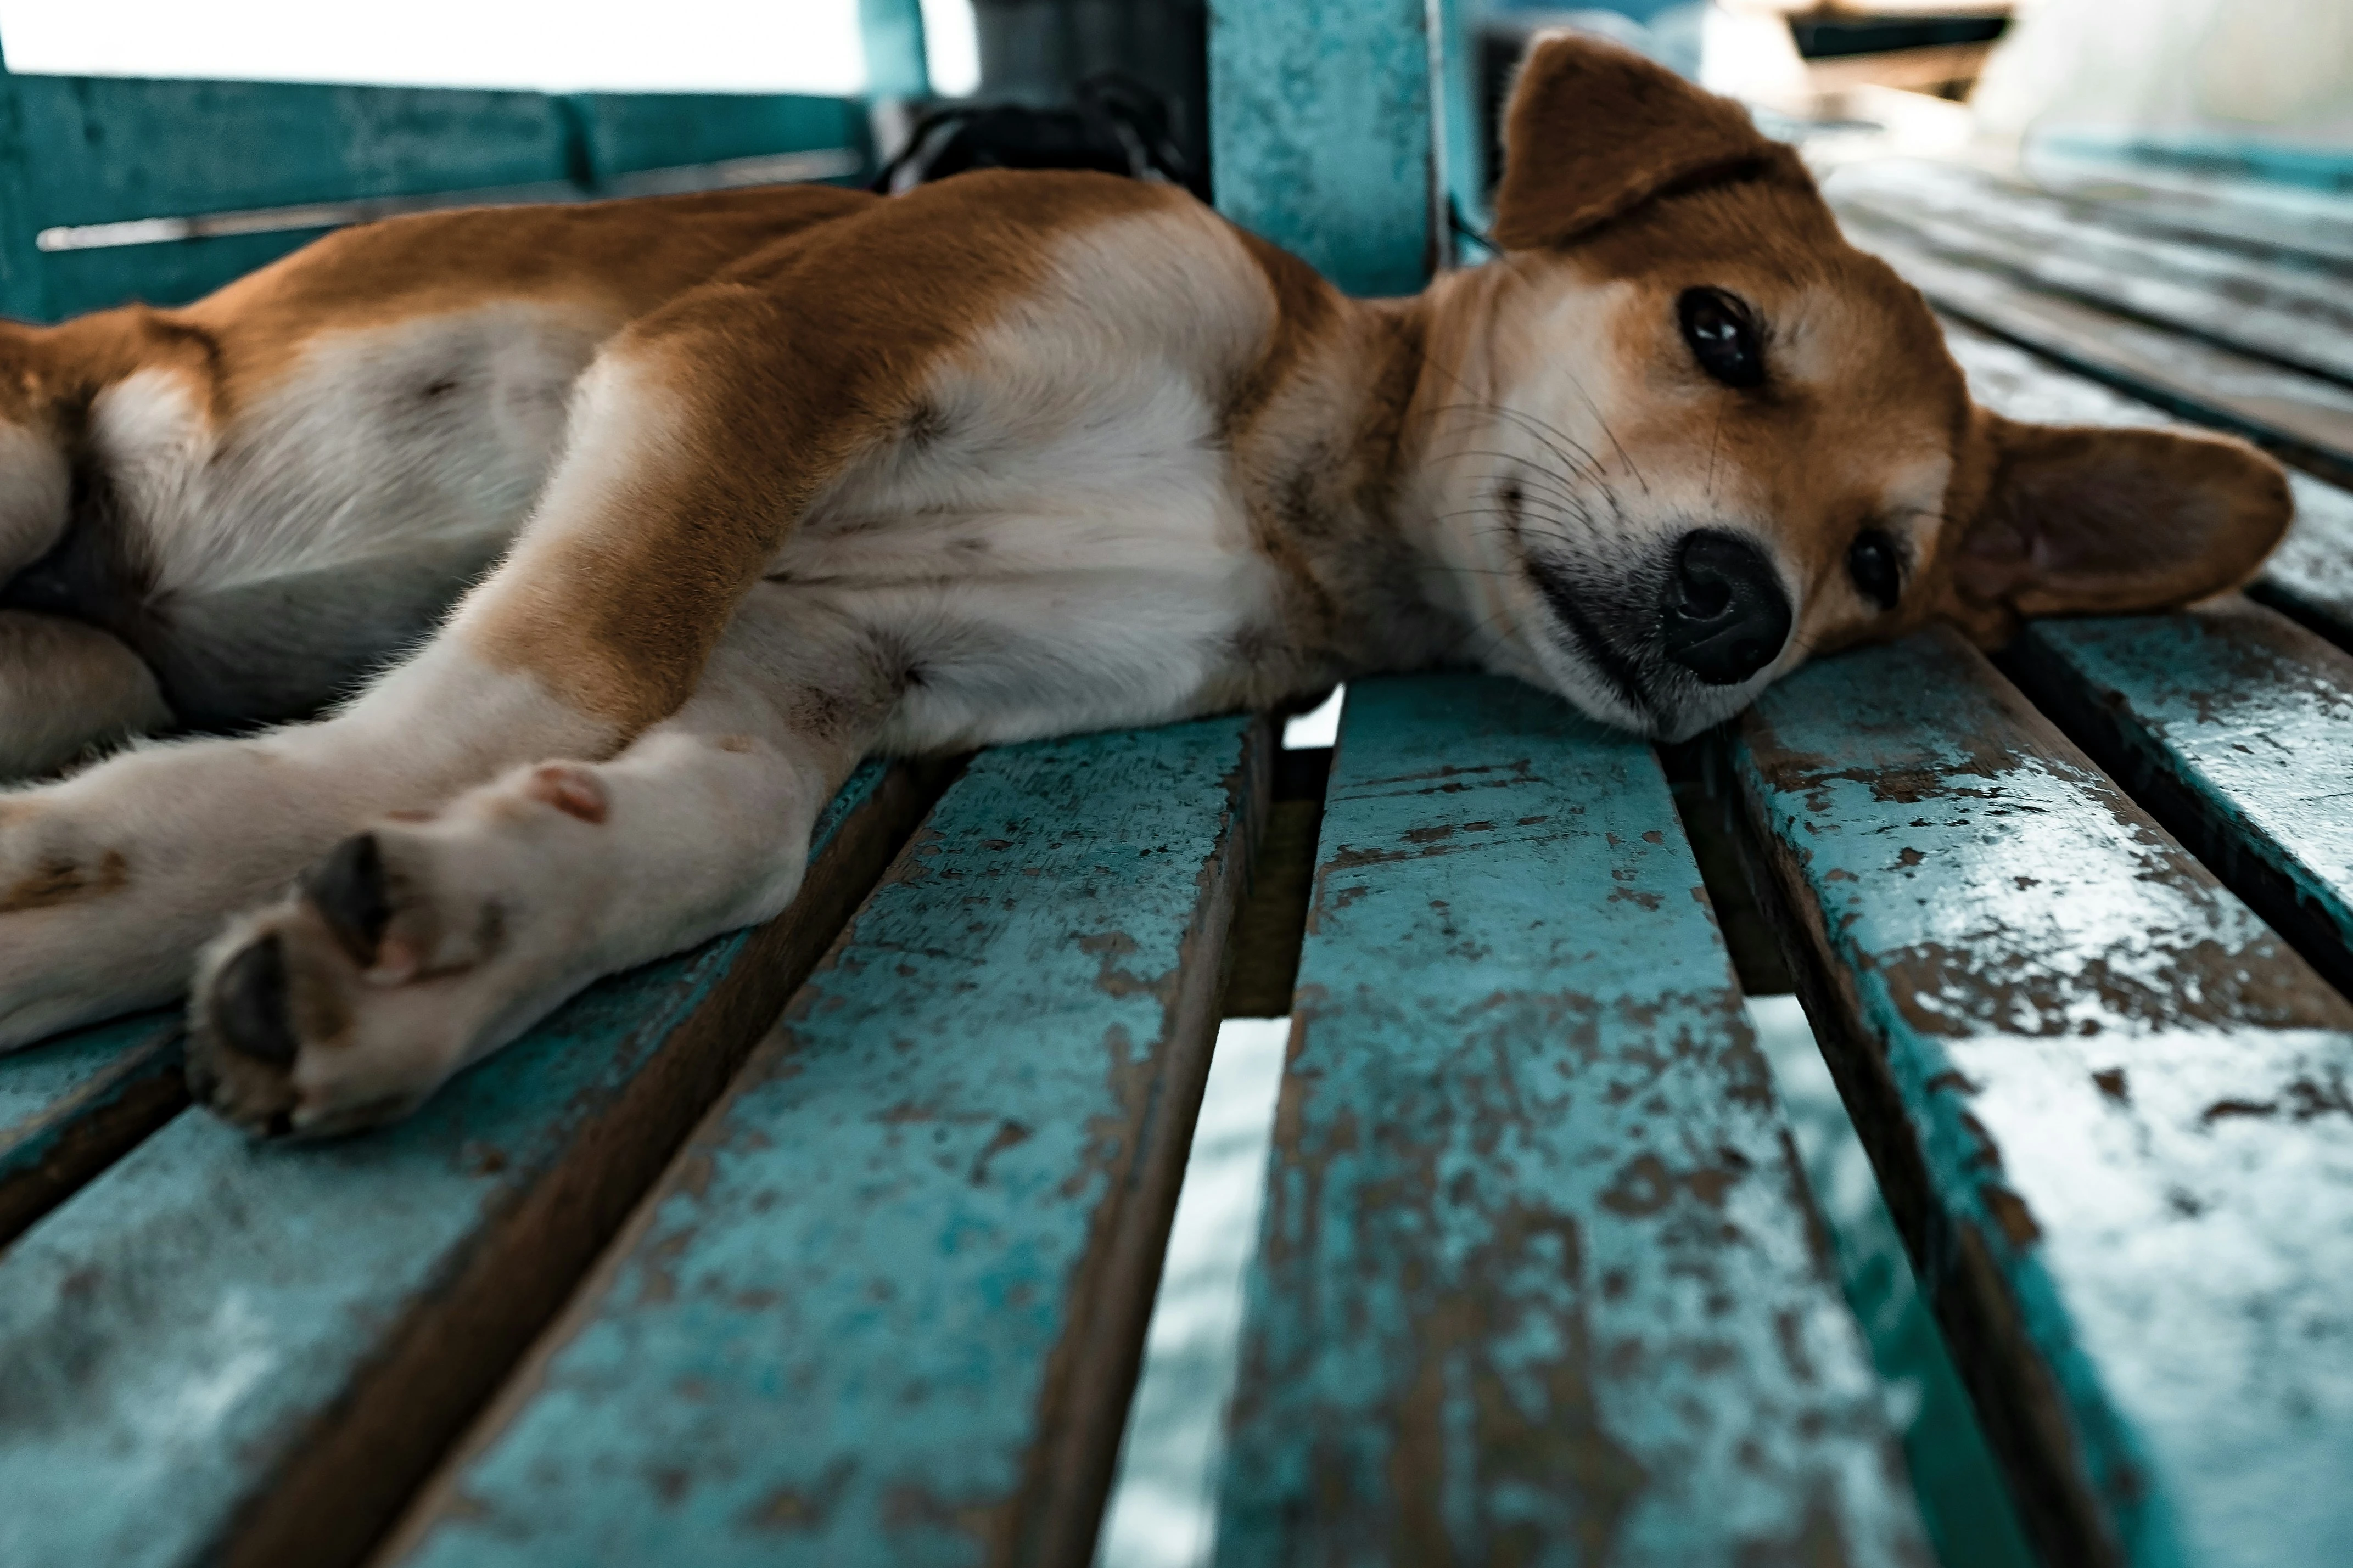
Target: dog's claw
(248, 1004)
(347, 888)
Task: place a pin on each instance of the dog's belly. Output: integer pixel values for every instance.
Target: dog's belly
(1057, 538)
(266, 564)
(1090, 575)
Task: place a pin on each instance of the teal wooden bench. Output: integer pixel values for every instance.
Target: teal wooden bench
(834, 1241)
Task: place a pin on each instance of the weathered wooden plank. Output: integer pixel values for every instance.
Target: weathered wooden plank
(2210, 156)
(2107, 1106)
(22, 294)
(71, 1105)
(2292, 316)
(1536, 1282)
(220, 1350)
(890, 1305)
(2235, 726)
(1321, 135)
(2310, 577)
(108, 149)
(2291, 227)
(2302, 418)
(627, 133)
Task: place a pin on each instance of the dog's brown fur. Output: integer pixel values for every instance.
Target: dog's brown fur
(1006, 455)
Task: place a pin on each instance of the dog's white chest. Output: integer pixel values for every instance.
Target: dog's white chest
(1043, 561)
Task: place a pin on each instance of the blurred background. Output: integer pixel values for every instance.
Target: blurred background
(2266, 85)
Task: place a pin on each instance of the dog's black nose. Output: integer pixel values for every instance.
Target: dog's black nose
(1723, 616)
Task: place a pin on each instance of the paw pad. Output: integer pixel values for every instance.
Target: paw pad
(347, 890)
(248, 1004)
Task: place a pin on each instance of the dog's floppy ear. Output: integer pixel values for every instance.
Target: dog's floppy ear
(1595, 130)
(2083, 520)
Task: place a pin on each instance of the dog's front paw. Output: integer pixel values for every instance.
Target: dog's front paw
(295, 1028)
(400, 955)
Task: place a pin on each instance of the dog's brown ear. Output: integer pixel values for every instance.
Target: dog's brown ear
(2082, 520)
(1595, 130)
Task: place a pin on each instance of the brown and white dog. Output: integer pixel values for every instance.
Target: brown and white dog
(749, 486)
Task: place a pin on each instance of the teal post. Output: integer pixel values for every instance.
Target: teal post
(895, 64)
(21, 294)
(1462, 145)
(1322, 136)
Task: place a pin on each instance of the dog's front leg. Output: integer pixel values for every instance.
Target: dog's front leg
(111, 880)
(423, 943)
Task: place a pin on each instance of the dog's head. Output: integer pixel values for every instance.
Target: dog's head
(1710, 437)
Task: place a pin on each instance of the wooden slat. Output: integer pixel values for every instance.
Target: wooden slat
(1321, 135)
(22, 292)
(104, 149)
(2302, 416)
(2311, 576)
(2294, 227)
(2294, 316)
(71, 1105)
(888, 1305)
(626, 133)
(220, 1350)
(2108, 1107)
(2235, 725)
(1536, 1281)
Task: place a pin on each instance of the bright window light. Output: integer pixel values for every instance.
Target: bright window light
(1320, 726)
(951, 47)
(712, 46)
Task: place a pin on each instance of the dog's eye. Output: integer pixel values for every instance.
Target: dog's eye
(1877, 570)
(1723, 336)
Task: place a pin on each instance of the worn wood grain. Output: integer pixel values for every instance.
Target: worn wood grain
(2235, 726)
(2291, 315)
(626, 133)
(2109, 1107)
(2310, 577)
(71, 1105)
(889, 1305)
(105, 149)
(225, 1351)
(1537, 1282)
(22, 292)
(2291, 227)
(1321, 133)
(2302, 418)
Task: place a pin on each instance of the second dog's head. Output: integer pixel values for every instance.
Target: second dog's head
(1702, 436)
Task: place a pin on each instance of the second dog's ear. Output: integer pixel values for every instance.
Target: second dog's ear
(1595, 130)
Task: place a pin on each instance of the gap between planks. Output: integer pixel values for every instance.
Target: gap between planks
(352, 1477)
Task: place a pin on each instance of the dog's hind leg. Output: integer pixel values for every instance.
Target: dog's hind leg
(695, 445)
(595, 627)
(421, 943)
